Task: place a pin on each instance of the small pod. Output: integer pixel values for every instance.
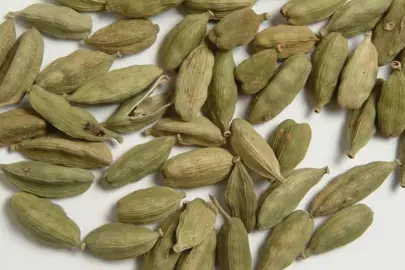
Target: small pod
(118, 241)
(138, 162)
(220, 9)
(84, 5)
(56, 21)
(351, 187)
(140, 8)
(282, 89)
(8, 39)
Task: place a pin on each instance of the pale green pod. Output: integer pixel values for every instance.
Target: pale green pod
(118, 241)
(329, 60)
(193, 81)
(282, 89)
(73, 121)
(149, 205)
(358, 76)
(401, 158)
(116, 86)
(223, 91)
(351, 187)
(8, 39)
(254, 150)
(47, 180)
(44, 221)
(196, 223)
(340, 229)
(138, 162)
(84, 5)
(66, 74)
(279, 202)
(66, 152)
(56, 21)
(21, 67)
(140, 8)
(356, 17)
(286, 241)
(219, 8)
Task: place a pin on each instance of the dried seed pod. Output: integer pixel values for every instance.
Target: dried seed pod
(198, 168)
(192, 82)
(47, 180)
(8, 39)
(119, 241)
(254, 150)
(138, 162)
(66, 74)
(45, 221)
(56, 21)
(121, 38)
(351, 187)
(282, 89)
(219, 8)
(329, 59)
(255, 73)
(359, 75)
(340, 229)
(84, 5)
(277, 203)
(286, 241)
(140, 8)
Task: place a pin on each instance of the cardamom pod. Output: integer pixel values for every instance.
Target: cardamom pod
(8, 39)
(277, 203)
(140, 8)
(286, 241)
(84, 5)
(359, 75)
(121, 38)
(282, 89)
(183, 39)
(290, 144)
(200, 131)
(198, 168)
(340, 229)
(138, 162)
(356, 17)
(45, 221)
(66, 74)
(21, 67)
(254, 73)
(75, 122)
(20, 124)
(223, 91)
(401, 158)
(149, 205)
(118, 241)
(65, 152)
(329, 60)
(240, 195)
(390, 108)
(193, 81)
(351, 187)
(197, 222)
(56, 21)
(141, 110)
(288, 40)
(219, 8)
(116, 86)
(47, 180)
(236, 29)
(254, 150)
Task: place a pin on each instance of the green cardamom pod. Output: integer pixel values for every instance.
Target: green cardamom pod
(254, 73)
(45, 221)
(84, 5)
(73, 121)
(121, 38)
(140, 8)
(340, 229)
(351, 187)
(286, 241)
(47, 180)
(282, 89)
(149, 205)
(138, 162)
(66, 74)
(198, 168)
(329, 60)
(401, 158)
(56, 21)
(8, 39)
(277, 203)
(118, 241)
(219, 8)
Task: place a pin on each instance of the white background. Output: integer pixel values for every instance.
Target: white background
(381, 247)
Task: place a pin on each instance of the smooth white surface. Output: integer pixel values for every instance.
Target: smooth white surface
(381, 247)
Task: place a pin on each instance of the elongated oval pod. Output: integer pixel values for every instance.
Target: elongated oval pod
(7, 32)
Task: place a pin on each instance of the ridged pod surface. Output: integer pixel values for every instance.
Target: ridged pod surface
(8, 39)
(219, 8)
(141, 8)
(84, 5)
